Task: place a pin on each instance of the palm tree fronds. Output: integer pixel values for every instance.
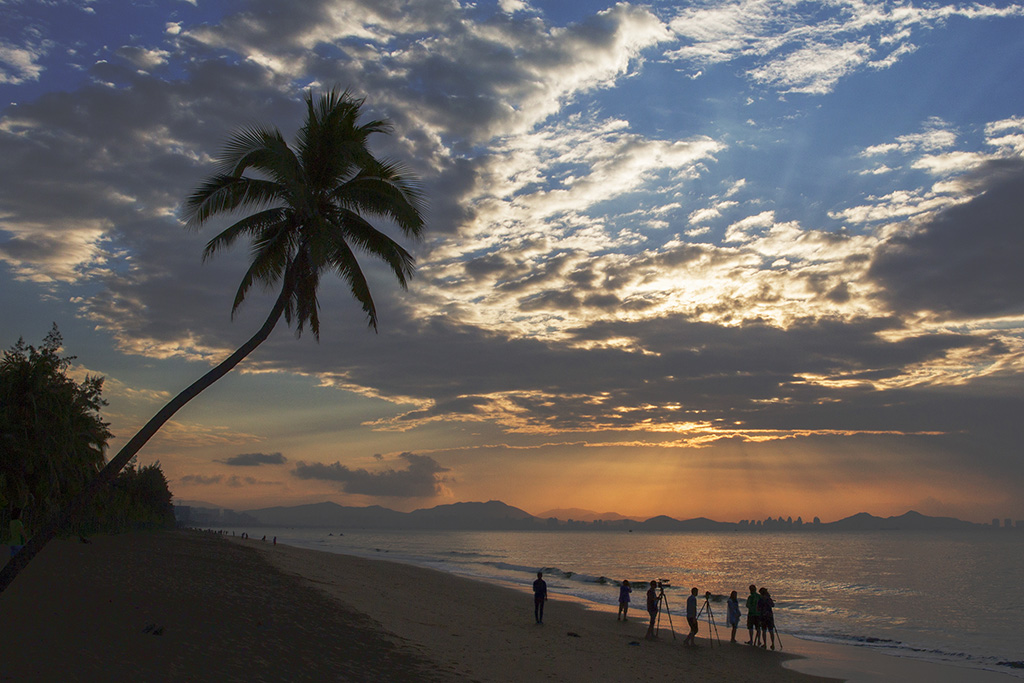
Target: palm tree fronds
(398, 200)
(347, 266)
(312, 204)
(253, 225)
(372, 241)
(222, 194)
(270, 260)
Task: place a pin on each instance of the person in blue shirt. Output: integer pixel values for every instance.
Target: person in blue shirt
(624, 591)
(732, 616)
(691, 617)
(540, 595)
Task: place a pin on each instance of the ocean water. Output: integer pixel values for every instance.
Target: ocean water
(955, 597)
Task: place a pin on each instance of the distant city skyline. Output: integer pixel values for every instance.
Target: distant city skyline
(582, 516)
(726, 258)
(498, 515)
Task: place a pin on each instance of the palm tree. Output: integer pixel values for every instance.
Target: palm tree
(311, 204)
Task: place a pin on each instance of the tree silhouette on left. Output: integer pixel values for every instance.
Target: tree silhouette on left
(311, 206)
(53, 437)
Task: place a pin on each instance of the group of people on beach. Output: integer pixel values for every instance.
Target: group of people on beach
(759, 603)
(760, 616)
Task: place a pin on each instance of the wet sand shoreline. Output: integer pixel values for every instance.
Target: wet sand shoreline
(174, 606)
(198, 606)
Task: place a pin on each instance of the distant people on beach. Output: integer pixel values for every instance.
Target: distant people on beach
(624, 591)
(17, 532)
(753, 623)
(652, 608)
(732, 614)
(691, 617)
(540, 595)
(766, 614)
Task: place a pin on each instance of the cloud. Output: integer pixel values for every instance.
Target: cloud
(255, 459)
(478, 78)
(593, 271)
(813, 69)
(959, 175)
(810, 50)
(143, 59)
(232, 481)
(659, 375)
(201, 479)
(20, 63)
(965, 261)
(936, 136)
(418, 480)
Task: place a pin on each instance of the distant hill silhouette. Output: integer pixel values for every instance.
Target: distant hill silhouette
(198, 504)
(466, 516)
(490, 515)
(580, 515)
(329, 515)
(908, 521)
(496, 515)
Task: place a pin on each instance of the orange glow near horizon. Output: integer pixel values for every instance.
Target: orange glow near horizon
(727, 483)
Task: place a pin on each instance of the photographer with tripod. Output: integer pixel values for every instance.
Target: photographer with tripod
(657, 602)
(652, 609)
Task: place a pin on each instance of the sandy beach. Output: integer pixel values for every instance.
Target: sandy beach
(192, 606)
(189, 606)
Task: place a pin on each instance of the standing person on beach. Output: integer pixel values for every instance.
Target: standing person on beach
(624, 591)
(540, 595)
(767, 616)
(18, 536)
(652, 608)
(753, 623)
(691, 617)
(732, 614)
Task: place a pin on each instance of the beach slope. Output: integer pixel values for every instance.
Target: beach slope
(174, 606)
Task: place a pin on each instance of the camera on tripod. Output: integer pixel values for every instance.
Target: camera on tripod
(663, 584)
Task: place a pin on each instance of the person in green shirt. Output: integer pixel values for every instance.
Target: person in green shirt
(18, 536)
(753, 620)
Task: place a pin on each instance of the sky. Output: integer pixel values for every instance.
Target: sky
(728, 259)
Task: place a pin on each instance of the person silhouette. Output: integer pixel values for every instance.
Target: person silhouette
(732, 615)
(753, 623)
(18, 536)
(652, 609)
(624, 591)
(540, 595)
(766, 616)
(691, 618)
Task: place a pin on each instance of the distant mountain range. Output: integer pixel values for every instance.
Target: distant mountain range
(580, 515)
(495, 515)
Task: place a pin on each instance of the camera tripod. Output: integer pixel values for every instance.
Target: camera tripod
(711, 618)
(663, 600)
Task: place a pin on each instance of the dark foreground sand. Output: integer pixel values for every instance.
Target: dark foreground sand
(190, 606)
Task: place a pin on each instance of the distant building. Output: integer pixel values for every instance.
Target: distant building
(1008, 523)
(995, 522)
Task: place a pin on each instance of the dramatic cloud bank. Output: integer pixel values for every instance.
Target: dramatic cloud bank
(418, 480)
(704, 236)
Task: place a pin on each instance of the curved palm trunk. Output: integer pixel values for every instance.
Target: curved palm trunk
(107, 474)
